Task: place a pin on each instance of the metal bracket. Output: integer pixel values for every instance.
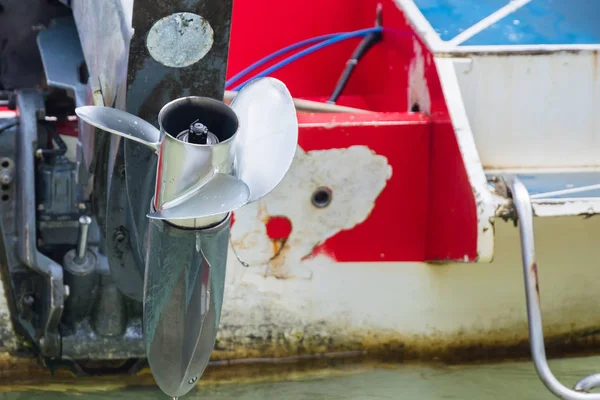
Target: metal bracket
(30, 108)
(62, 57)
(522, 204)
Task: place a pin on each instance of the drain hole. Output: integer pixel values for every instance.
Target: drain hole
(5, 197)
(321, 197)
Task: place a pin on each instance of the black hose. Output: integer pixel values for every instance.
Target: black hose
(62, 146)
(8, 123)
(365, 45)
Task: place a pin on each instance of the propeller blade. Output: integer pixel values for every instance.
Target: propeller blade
(120, 123)
(182, 302)
(220, 195)
(175, 305)
(267, 135)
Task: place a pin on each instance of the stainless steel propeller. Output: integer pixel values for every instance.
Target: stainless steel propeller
(212, 159)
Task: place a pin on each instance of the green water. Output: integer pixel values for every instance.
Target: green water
(478, 382)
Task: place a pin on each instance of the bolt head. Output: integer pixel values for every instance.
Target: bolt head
(119, 236)
(28, 300)
(5, 178)
(199, 128)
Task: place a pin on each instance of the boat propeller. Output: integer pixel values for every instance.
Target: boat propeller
(212, 160)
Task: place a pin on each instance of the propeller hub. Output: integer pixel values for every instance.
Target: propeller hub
(198, 133)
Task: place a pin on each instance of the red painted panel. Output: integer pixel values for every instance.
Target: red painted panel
(452, 213)
(396, 229)
(67, 128)
(372, 119)
(427, 210)
(260, 28)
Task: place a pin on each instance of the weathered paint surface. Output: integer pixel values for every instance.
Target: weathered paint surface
(539, 111)
(417, 310)
(561, 207)
(8, 337)
(354, 176)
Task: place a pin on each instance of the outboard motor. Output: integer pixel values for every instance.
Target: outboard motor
(113, 247)
(212, 160)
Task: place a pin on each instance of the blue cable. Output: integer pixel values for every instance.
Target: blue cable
(278, 53)
(310, 50)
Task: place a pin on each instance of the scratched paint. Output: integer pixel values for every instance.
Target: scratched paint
(354, 176)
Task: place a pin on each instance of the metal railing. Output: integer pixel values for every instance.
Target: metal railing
(522, 204)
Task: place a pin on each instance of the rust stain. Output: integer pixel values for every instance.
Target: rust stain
(534, 275)
(278, 245)
(277, 264)
(278, 230)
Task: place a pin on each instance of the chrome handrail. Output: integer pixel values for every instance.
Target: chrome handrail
(522, 204)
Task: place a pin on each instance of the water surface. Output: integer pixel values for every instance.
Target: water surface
(515, 380)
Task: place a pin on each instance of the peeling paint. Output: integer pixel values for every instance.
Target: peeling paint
(355, 176)
(180, 40)
(278, 327)
(418, 91)
(418, 311)
(563, 207)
